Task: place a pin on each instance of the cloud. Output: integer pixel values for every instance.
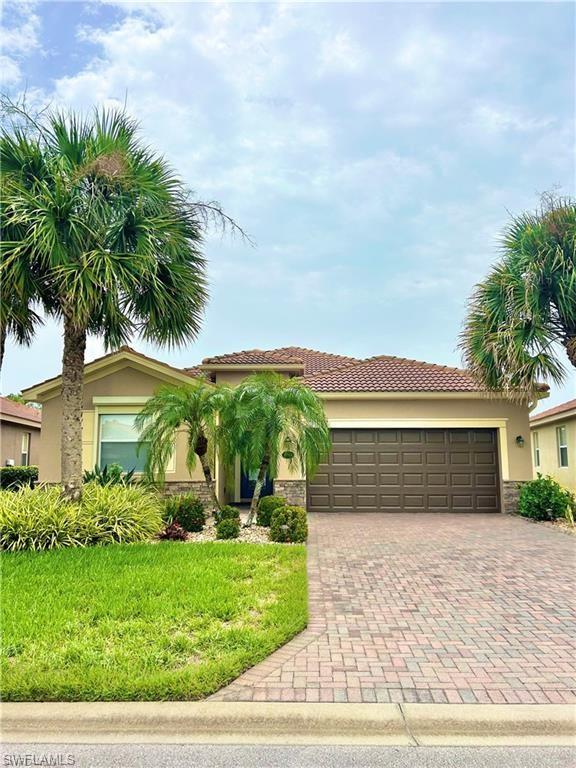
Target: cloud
(498, 119)
(20, 39)
(341, 55)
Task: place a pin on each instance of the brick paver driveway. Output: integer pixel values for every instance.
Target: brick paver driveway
(429, 608)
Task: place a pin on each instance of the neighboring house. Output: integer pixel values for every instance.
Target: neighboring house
(19, 433)
(554, 443)
(407, 435)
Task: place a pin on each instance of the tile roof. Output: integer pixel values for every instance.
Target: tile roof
(392, 374)
(569, 405)
(311, 360)
(11, 408)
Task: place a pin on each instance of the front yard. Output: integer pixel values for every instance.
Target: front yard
(145, 621)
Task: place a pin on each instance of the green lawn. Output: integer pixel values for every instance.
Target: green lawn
(145, 621)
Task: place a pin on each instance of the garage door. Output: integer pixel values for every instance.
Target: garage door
(408, 470)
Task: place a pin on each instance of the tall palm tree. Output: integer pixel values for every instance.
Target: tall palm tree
(525, 309)
(112, 239)
(268, 416)
(194, 408)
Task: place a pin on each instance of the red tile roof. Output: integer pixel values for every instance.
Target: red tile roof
(392, 374)
(570, 405)
(11, 408)
(310, 360)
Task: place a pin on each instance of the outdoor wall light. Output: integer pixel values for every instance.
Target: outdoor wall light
(520, 441)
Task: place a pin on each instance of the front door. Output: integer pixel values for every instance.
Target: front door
(247, 483)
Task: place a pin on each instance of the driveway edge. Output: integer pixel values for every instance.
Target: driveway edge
(289, 723)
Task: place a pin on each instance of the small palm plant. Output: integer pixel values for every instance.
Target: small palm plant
(268, 416)
(193, 408)
(526, 308)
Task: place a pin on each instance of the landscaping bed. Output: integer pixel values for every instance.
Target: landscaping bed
(146, 621)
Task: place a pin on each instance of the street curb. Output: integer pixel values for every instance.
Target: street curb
(288, 723)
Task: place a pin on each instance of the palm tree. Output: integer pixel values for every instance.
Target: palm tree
(268, 416)
(112, 241)
(193, 408)
(526, 307)
(18, 318)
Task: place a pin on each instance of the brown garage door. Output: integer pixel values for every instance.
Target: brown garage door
(408, 470)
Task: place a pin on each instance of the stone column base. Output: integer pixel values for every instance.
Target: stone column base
(294, 491)
(510, 493)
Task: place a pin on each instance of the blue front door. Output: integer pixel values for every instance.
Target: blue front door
(247, 483)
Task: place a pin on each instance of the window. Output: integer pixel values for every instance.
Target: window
(536, 446)
(119, 442)
(25, 450)
(562, 443)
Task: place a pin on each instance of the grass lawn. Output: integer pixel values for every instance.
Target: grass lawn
(145, 621)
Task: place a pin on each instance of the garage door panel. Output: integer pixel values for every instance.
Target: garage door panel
(408, 470)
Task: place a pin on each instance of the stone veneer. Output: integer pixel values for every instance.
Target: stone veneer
(294, 491)
(510, 493)
(197, 487)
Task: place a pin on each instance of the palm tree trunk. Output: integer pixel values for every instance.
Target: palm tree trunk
(570, 345)
(72, 392)
(2, 343)
(201, 450)
(258, 489)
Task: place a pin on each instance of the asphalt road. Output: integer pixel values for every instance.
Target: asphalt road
(227, 756)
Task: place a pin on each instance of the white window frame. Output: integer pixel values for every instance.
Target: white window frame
(25, 449)
(536, 448)
(562, 444)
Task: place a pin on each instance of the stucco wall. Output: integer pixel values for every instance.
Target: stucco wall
(449, 411)
(566, 476)
(11, 442)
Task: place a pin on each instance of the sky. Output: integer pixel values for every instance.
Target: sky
(373, 152)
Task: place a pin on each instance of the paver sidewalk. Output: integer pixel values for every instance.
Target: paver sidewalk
(429, 608)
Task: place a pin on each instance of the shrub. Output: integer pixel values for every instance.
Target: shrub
(112, 474)
(289, 524)
(12, 478)
(174, 532)
(122, 514)
(545, 499)
(187, 510)
(227, 513)
(266, 506)
(228, 528)
(39, 518)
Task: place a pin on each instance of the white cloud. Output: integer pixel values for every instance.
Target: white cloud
(498, 119)
(340, 54)
(20, 38)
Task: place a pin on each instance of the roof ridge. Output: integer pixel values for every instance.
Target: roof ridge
(206, 360)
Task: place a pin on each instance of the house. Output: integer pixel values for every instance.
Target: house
(19, 433)
(554, 443)
(407, 435)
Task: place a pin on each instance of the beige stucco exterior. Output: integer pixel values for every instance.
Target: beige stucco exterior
(546, 432)
(124, 382)
(12, 431)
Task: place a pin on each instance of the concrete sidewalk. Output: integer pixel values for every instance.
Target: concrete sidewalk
(290, 723)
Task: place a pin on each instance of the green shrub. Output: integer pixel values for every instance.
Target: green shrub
(187, 510)
(266, 506)
(545, 499)
(227, 513)
(40, 519)
(289, 524)
(228, 528)
(122, 514)
(109, 474)
(12, 478)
